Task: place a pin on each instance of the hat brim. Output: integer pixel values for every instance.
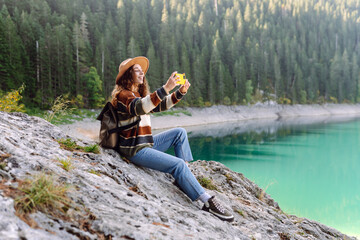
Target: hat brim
(142, 61)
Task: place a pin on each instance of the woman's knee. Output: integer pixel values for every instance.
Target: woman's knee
(179, 167)
(181, 132)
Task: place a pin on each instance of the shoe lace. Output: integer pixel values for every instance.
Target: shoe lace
(218, 206)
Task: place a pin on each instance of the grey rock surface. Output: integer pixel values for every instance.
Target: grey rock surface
(124, 201)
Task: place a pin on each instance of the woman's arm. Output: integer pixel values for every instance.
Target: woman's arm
(173, 99)
(169, 101)
(134, 105)
(157, 101)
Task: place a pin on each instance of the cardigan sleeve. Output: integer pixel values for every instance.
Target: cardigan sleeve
(169, 101)
(133, 104)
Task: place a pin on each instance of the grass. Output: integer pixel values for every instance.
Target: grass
(71, 145)
(71, 116)
(66, 164)
(42, 193)
(207, 183)
(229, 177)
(94, 172)
(92, 148)
(172, 113)
(261, 194)
(239, 211)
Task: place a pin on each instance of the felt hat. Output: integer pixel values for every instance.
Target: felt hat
(126, 64)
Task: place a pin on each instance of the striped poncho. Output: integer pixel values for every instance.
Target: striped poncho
(131, 107)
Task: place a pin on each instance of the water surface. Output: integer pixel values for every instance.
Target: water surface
(309, 166)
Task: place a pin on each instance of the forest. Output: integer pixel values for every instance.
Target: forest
(233, 52)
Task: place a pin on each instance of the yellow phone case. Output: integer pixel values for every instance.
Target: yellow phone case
(182, 78)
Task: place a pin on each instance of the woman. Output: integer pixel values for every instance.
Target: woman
(133, 101)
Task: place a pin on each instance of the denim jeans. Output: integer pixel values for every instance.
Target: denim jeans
(156, 159)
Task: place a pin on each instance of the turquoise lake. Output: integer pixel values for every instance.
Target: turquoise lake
(309, 166)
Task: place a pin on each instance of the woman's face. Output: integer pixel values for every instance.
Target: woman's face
(137, 75)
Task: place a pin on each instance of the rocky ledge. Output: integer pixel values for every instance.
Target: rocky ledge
(109, 198)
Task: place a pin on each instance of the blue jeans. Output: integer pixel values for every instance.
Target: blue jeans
(156, 159)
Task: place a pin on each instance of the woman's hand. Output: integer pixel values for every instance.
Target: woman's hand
(184, 88)
(171, 82)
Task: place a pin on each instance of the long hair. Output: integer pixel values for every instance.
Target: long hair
(126, 82)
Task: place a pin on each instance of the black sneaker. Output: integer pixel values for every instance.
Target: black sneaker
(214, 207)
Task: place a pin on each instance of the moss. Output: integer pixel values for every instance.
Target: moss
(207, 183)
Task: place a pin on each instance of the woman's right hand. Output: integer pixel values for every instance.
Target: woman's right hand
(171, 82)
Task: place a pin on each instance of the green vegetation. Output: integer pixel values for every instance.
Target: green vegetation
(92, 148)
(260, 195)
(94, 172)
(58, 109)
(67, 117)
(303, 51)
(2, 165)
(42, 193)
(207, 183)
(239, 211)
(66, 164)
(173, 112)
(71, 145)
(9, 102)
(229, 177)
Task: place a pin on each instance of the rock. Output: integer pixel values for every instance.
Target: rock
(113, 199)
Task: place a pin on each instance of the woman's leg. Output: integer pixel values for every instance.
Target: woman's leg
(154, 159)
(176, 137)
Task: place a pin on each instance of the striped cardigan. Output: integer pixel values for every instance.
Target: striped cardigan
(131, 107)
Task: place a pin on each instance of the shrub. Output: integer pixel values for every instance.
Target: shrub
(333, 99)
(10, 101)
(227, 100)
(207, 104)
(284, 100)
(199, 102)
(303, 97)
(258, 96)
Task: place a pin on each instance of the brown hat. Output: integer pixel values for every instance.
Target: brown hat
(126, 64)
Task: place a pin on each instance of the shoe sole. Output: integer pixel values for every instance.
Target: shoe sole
(222, 217)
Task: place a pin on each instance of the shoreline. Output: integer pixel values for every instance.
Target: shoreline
(211, 116)
(241, 118)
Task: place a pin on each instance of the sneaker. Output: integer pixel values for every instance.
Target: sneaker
(214, 207)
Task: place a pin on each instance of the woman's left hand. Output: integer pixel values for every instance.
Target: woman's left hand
(184, 88)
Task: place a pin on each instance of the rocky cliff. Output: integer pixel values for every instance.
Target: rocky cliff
(108, 198)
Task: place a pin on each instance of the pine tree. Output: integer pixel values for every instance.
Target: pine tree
(93, 93)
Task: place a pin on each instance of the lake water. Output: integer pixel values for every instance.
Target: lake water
(309, 166)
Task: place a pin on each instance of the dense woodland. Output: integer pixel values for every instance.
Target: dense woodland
(233, 52)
